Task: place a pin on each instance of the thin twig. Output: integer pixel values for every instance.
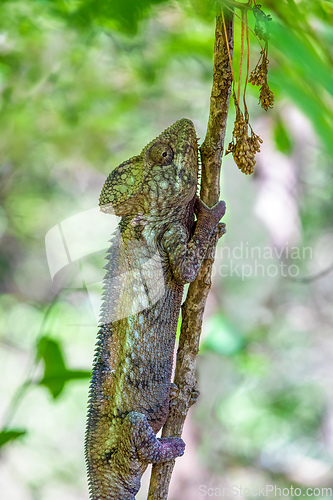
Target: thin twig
(228, 48)
(241, 57)
(193, 308)
(239, 17)
(312, 277)
(247, 64)
(238, 5)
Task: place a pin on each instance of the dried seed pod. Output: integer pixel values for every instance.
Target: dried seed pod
(243, 147)
(266, 97)
(258, 77)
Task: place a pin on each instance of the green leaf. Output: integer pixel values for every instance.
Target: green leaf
(50, 351)
(282, 139)
(56, 373)
(52, 381)
(304, 74)
(303, 56)
(327, 6)
(55, 369)
(10, 435)
(310, 103)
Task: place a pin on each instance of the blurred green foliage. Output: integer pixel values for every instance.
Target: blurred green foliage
(56, 374)
(282, 138)
(83, 86)
(7, 436)
(221, 336)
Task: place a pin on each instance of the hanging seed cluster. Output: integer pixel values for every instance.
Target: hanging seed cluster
(266, 97)
(244, 146)
(258, 77)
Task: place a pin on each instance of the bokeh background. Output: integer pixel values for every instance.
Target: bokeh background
(84, 86)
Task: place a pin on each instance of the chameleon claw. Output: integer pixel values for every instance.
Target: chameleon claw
(195, 393)
(174, 391)
(221, 229)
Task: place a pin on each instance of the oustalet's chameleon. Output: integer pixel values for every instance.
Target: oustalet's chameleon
(156, 250)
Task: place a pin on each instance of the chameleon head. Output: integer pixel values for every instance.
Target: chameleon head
(163, 175)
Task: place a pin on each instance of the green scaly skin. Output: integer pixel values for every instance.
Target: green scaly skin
(153, 254)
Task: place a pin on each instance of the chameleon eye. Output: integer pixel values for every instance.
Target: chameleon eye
(161, 154)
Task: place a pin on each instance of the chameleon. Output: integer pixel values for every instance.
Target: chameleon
(157, 248)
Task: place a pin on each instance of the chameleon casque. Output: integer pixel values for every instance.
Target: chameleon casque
(156, 249)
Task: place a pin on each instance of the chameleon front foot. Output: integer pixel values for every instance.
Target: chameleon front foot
(209, 217)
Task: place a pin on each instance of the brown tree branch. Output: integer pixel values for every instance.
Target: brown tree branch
(193, 307)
